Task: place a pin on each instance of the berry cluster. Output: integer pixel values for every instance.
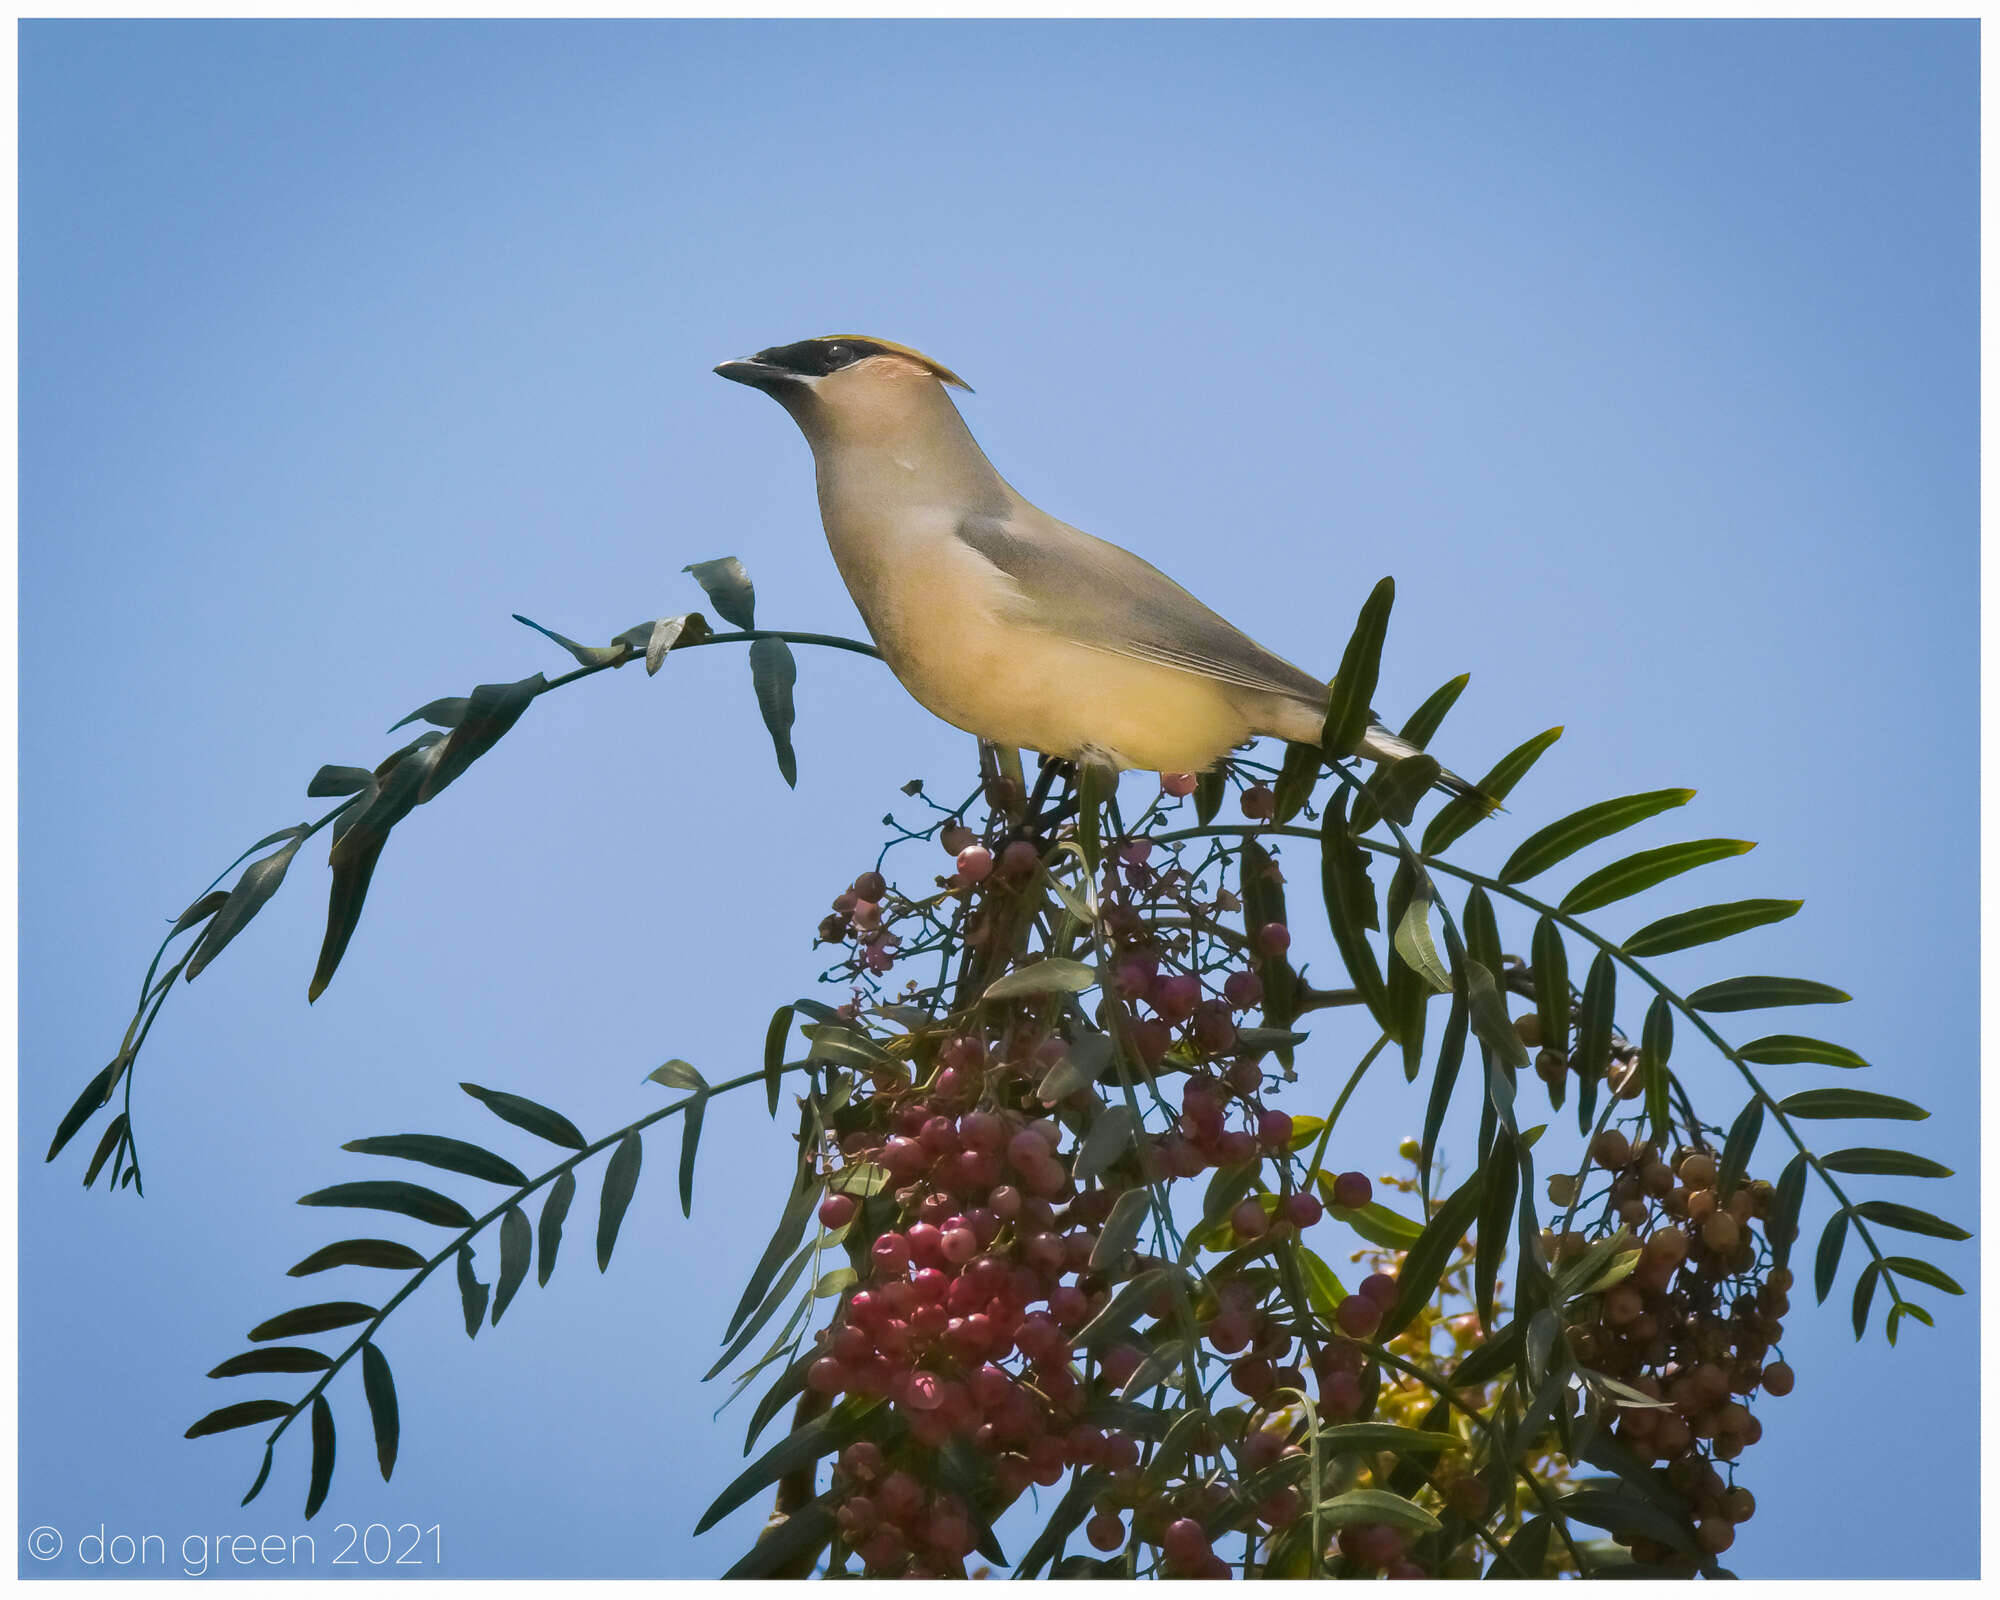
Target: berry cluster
(1693, 1327)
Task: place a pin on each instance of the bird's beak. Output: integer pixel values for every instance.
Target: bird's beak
(758, 374)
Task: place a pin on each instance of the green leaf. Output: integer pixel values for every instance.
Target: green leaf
(1552, 1003)
(589, 655)
(404, 1199)
(1489, 1017)
(677, 1075)
(263, 1473)
(1463, 812)
(1120, 1231)
(660, 638)
(1910, 1267)
(729, 589)
(1418, 1277)
(244, 1414)
(690, 1142)
(1324, 1290)
(1736, 1148)
(1297, 775)
(490, 710)
(114, 1136)
(1656, 1044)
(549, 1237)
(1754, 994)
(330, 781)
(1451, 1056)
(1209, 789)
(621, 1177)
(1783, 1227)
(1868, 1161)
(1125, 1307)
(1051, 975)
(1827, 1262)
(537, 1119)
(259, 882)
(359, 1253)
(1641, 871)
(1377, 1505)
(274, 1358)
(1403, 786)
(1593, 1035)
(1500, 1185)
(1425, 720)
(1063, 1521)
(306, 1320)
(1347, 707)
(380, 1388)
(1686, 929)
(798, 1449)
(1864, 1293)
(1374, 1222)
(1350, 907)
(1526, 1553)
(453, 1155)
(1909, 1219)
(1109, 1138)
(792, 1543)
(1779, 1049)
(1561, 840)
(791, 1229)
(358, 839)
(322, 1456)
(1413, 943)
(776, 1036)
(517, 1248)
(772, 674)
(472, 1293)
(1825, 1103)
(445, 713)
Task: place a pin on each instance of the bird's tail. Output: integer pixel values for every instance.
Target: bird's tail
(1379, 744)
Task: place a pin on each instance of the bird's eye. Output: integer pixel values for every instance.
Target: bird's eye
(837, 355)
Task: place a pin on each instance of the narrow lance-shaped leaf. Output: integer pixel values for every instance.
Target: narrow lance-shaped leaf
(1783, 1228)
(357, 846)
(1552, 1003)
(549, 1236)
(274, 1358)
(621, 1177)
(404, 1199)
(452, 1155)
(1753, 994)
(1561, 840)
(537, 1119)
(791, 1229)
(775, 1039)
(1353, 691)
(1451, 1055)
(1209, 789)
(490, 710)
(661, 638)
(772, 674)
(690, 1143)
(259, 882)
(1923, 1272)
(1830, 1103)
(1737, 1147)
(1909, 1219)
(95, 1094)
(445, 713)
(1627, 877)
(1109, 1137)
(322, 1456)
(385, 1253)
(517, 1249)
(472, 1293)
(1864, 1294)
(244, 1414)
(1782, 1049)
(1501, 1180)
(1685, 929)
(1402, 787)
(1656, 1044)
(729, 589)
(114, 1136)
(1426, 719)
(1868, 1161)
(1350, 907)
(1297, 774)
(677, 1075)
(1463, 812)
(1413, 943)
(589, 655)
(1417, 1280)
(1593, 1035)
(380, 1388)
(1826, 1262)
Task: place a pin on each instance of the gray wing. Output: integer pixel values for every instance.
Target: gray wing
(1104, 598)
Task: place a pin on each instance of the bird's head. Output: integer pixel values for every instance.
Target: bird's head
(845, 384)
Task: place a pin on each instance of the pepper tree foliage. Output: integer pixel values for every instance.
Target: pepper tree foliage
(1057, 1222)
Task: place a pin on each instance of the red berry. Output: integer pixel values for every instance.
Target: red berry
(1381, 1288)
(1352, 1190)
(1259, 803)
(1273, 939)
(870, 886)
(1176, 995)
(1152, 1038)
(1019, 859)
(1274, 1130)
(1248, 1219)
(826, 1376)
(1105, 1532)
(1340, 1393)
(1243, 990)
(975, 863)
(1186, 1542)
(1357, 1316)
(1179, 785)
(837, 1210)
(1302, 1210)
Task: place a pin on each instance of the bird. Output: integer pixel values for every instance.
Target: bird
(1003, 620)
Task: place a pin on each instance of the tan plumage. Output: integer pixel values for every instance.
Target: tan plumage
(997, 617)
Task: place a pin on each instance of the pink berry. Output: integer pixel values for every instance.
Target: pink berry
(1019, 859)
(1186, 1542)
(1259, 803)
(1274, 1130)
(1302, 1210)
(1243, 990)
(1273, 939)
(975, 863)
(1381, 1288)
(1176, 995)
(1105, 1532)
(1358, 1316)
(1179, 785)
(1248, 1219)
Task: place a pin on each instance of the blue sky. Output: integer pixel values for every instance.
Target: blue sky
(1643, 356)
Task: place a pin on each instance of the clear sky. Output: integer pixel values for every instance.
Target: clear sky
(1643, 356)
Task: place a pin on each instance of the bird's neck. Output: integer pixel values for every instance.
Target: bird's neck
(910, 455)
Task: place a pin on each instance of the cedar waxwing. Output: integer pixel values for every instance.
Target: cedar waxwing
(997, 617)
